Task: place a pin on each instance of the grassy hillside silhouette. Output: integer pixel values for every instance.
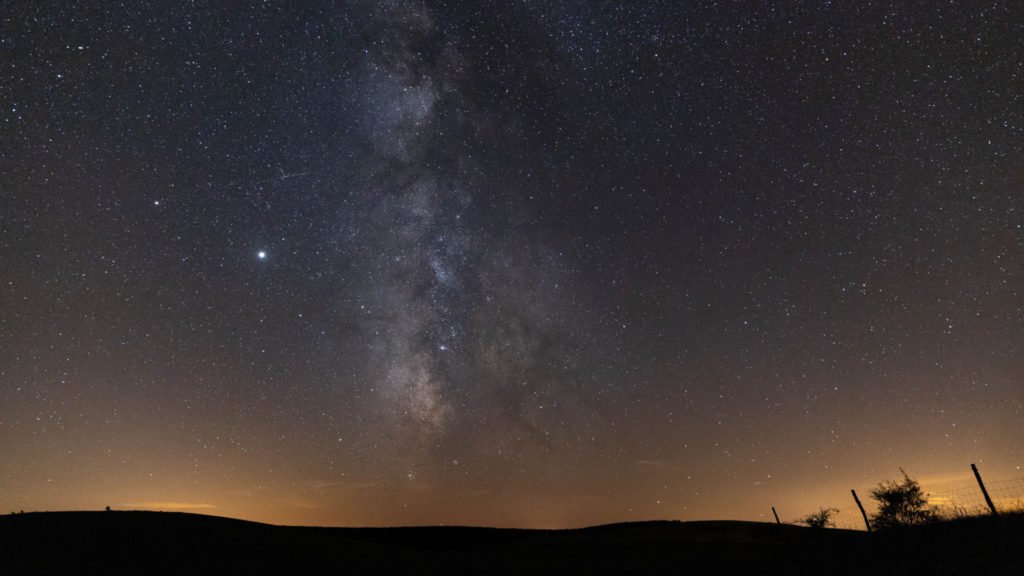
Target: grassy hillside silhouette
(179, 543)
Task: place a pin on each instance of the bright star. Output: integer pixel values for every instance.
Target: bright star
(261, 255)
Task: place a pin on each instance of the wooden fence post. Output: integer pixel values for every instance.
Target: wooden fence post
(862, 512)
(991, 505)
(776, 515)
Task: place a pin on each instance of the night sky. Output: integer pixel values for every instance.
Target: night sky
(511, 263)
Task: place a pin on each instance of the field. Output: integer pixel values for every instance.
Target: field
(174, 543)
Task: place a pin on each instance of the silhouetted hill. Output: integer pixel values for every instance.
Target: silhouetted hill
(177, 543)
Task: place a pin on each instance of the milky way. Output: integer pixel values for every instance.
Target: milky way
(459, 310)
(507, 263)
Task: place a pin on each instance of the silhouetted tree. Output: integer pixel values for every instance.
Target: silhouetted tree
(108, 508)
(824, 518)
(901, 504)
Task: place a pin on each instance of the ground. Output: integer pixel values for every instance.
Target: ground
(174, 543)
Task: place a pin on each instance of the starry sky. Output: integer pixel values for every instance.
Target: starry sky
(509, 263)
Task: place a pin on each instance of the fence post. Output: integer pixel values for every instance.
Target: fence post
(862, 512)
(776, 515)
(981, 484)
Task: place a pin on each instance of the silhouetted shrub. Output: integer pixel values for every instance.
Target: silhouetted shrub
(824, 518)
(901, 504)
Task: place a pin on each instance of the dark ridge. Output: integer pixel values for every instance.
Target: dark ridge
(180, 543)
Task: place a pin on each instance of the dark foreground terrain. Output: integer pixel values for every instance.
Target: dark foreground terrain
(172, 543)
